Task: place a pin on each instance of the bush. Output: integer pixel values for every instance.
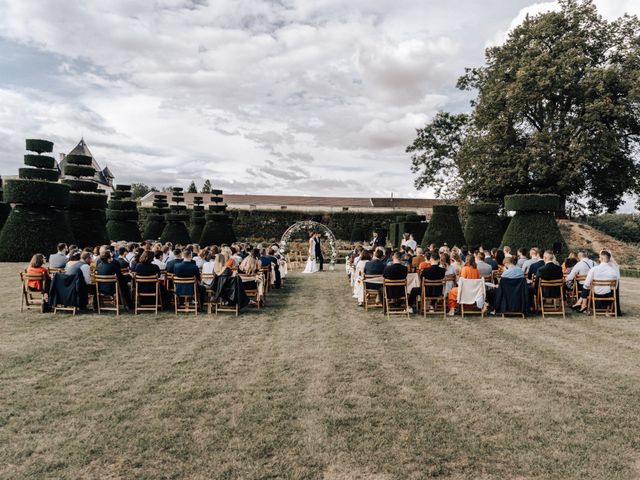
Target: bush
(36, 192)
(444, 227)
(5, 210)
(123, 188)
(483, 226)
(87, 201)
(88, 226)
(79, 170)
(119, 195)
(81, 185)
(40, 161)
(532, 202)
(51, 175)
(122, 205)
(175, 232)
(217, 231)
(153, 229)
(123, 230)
(39, 146)
(85, 160)
(358, 234)
(30, 230)
(122, 215)
(622, 226)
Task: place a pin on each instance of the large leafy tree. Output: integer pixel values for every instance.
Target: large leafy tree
(557, 111)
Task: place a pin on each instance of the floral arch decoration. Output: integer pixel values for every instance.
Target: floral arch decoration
(308, 226)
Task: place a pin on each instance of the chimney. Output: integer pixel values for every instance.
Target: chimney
(62, 156)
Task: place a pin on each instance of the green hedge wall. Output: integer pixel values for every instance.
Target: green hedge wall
(444, 227)
(358, 234)
(217, 230)
(89, 227)
(484, 226)
(81, 185)
(87, 201)
(38, 146)
(122, 223)
(79, 170)
(5, 208)
(36, 192)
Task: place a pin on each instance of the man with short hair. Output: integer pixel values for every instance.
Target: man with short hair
(177, 258)
(511, 269)
(59, 259)
(531, 266)
(604, 271)
(396, 271)
(411, 243)
(483, 267)
(582, 269)
(522, 258)
(550, 270)
(83, 265)
(433, 272)
(186, 268)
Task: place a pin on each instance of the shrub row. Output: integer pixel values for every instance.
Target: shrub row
(36, 192)
(622, 226)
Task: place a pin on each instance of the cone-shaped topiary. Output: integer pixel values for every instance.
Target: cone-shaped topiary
(122, 216)
(5, 208)
(483, 226)
(86, 211)
(444, 227)
(37, 222)
(175, 230)
(155, 220)
(218, 229)
(534, 224)
(358, 233)
(198, 219)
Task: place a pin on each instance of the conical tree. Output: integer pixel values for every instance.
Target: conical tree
(155, 220)
(198, 219)
(444, 227)
(218, 229)
(5, 208)
(37, 222)
(175, 230)
(86, 212)
(484, 226)
(122, 215)
(534, 224)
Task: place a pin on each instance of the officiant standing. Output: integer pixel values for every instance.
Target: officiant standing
(318, 251)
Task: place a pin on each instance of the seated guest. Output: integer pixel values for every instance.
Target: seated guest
(59, 259)
(407, 257)
(512, 293)
(212, 265)
(106, 265)
(131, 248)
(507, 251)
(582, 269)
(36, 267)
(136, 256)
(469, 271)
(511, 269)
(375, 266)
(74, 257)
(411, 243)
(522, 258)
(185, 269)
(82, 264)
(482, 266)
(157, 260)
(122, 258)
(396, 271)
(499, 259)
(250, 266)
(606, 271)
(532, 265)
(417, 259)
(490, 260)
(365, 257)
(434, 272)
(550, 270)
(177, 258)
(147, 267)
(569, 263)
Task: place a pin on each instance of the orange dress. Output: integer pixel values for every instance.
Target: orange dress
(470, 273)
(37, 285)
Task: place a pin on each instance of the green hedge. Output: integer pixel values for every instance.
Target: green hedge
(358, 233)
(5, 211)
(483, 226)
(87, 201)
(30, 230)
(123, 215)
(533, 229)
(120, 230)
(622, 226)
(122, 205)
(532, 202)
(417, 229)
(119, 195)
(88, 226)
(123, 188)
(444, 227)
(84, 160)
(36, 192)
(40, 161)
(217, 233)
(49, 174)
(39, 146)
(79, 171)
(81, 185)
(176, 233)
(153, 229)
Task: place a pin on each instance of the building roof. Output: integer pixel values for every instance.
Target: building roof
(102, 176)
(303, 201)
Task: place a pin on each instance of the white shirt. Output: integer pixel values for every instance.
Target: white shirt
(198, 261)
(130, 256)
(604, 271)
(161, 265)
(412, 244)
(207, 268)
(581, 269)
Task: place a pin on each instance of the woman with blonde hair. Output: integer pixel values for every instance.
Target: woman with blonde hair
(250, 265)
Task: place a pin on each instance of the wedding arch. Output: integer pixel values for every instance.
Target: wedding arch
(308, 226)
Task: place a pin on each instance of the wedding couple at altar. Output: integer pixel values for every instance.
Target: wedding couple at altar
(315, 261)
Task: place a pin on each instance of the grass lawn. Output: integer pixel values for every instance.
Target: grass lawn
(312, 387)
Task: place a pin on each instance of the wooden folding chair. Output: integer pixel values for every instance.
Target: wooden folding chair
(471, 309)
(401, 306)
(190, 301)
(556, 305)
(496, 275)
(55, 270)
(427, 299)
(139, 306)
(612, 297)
(221, 307)
(266, 271)
(371, 295)
(101, 299)
(575, 288)
(32, 299)
(252, 292)
(207, 281)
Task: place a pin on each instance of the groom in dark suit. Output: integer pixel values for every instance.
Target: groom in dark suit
(318, 251)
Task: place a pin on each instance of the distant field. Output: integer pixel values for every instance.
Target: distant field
(312, 387)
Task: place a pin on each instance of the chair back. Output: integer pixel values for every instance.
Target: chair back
(111, 281)
(146, 280)
(545, 293)
(395, 290)
(610, 300)
(542, 284)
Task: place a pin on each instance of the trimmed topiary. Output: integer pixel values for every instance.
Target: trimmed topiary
(218, 229)
(175, 230)
(534, 224)
(483, 226)
(40, 161)
(39, 174)
(155, 221)
(122, 216)
(37, 222)
(358, 233)
(86, 206)
(39, 146)
(198, 219)
(5, 208)
(444, 227)
(414, 225)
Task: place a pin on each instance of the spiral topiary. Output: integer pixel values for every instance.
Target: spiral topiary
(86, 211)
(122, 216)
(484, 226)
(198, 219)
(175, 230)
(155, 220)
(218, 229)
(534, 224)
(37, 222)
(444, 227)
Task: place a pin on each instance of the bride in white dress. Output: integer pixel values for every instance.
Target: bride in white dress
(312, 266)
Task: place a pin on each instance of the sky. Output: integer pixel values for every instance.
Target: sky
(300, 97)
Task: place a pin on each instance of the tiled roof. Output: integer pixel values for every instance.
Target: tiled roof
(82, 149)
